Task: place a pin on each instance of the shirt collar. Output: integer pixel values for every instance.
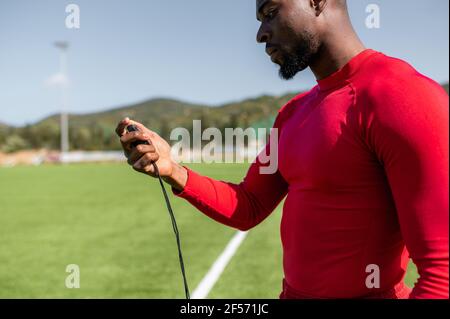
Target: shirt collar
(346, 71)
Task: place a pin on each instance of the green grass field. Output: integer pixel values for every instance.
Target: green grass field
(113, 223)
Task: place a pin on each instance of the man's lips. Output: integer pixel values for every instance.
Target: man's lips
(271, 50)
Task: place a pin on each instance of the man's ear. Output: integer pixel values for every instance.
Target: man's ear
(318, 6)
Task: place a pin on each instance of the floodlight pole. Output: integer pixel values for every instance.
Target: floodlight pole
(64, 120)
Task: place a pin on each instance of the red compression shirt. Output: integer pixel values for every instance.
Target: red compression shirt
(363, 160)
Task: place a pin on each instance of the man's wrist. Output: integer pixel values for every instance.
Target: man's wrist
(178, 178)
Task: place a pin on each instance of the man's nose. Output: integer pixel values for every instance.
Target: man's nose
(263, 34)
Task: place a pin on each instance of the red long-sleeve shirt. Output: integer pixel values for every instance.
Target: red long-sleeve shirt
(363, 160)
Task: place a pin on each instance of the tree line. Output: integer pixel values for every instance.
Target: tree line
(96, 136)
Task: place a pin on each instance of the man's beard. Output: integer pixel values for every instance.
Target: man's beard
(300, 58)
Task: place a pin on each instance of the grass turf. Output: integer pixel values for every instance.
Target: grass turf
(113, 223)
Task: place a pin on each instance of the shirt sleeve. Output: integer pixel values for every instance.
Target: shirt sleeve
(408, 129)
(242, 205)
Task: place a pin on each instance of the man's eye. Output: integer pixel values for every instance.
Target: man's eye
(271, 14)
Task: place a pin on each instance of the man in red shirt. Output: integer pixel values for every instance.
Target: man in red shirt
(362, 162)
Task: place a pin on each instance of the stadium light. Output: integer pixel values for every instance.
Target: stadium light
(63, 46)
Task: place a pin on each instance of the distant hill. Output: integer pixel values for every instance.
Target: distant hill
(95, 131)
(158, 112)
(151, 112)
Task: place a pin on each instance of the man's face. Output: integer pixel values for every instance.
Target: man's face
(288, 27)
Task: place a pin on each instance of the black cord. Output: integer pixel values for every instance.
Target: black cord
(133, 128)
(175, 229)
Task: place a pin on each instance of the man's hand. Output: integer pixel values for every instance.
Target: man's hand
(142, 157)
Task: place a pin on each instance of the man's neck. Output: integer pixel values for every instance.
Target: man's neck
(333, 55)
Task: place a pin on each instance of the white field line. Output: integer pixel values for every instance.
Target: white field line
(208, 282)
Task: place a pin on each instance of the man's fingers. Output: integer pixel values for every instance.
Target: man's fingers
(139, 151)
(145, 163)
(134, 136)
(142, 128)
(127, 139)
(120, 129)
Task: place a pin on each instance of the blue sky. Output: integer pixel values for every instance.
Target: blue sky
(200, 51)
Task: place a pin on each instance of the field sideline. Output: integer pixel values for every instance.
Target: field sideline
(113, 223)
